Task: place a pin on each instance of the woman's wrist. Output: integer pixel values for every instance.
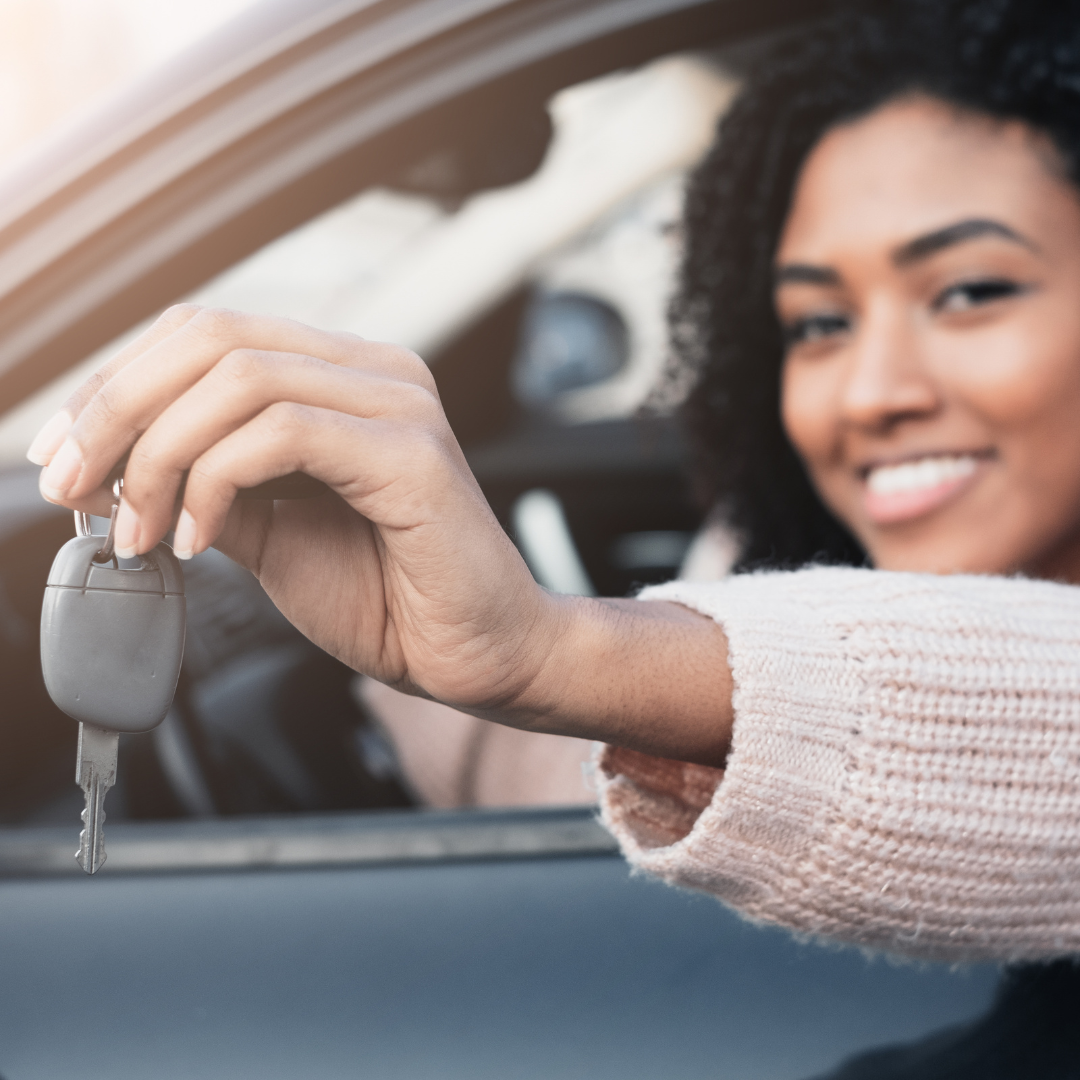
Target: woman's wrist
(648, 675)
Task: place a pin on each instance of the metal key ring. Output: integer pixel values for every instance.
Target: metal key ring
(82, 525)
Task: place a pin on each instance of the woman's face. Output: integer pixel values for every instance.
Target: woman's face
(928, 281)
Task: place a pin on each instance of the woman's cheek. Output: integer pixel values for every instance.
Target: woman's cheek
(808, 410)
(811, 412)
(1023, 368)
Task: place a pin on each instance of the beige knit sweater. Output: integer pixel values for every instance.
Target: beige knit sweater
(905, 765)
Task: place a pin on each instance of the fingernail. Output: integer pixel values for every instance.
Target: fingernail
(126, 534)
(63, 470)
(185, 536)
(49, 438)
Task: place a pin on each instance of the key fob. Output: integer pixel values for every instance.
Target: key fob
(112, 640)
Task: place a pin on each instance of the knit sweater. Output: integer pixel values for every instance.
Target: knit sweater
(904, 770)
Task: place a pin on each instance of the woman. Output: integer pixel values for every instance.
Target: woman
(886, 243)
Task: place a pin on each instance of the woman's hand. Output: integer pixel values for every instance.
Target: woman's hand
(402, 570)
(403, 573)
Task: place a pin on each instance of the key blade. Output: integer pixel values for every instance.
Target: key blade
(97, 755)
(91, 853)
(95, 773)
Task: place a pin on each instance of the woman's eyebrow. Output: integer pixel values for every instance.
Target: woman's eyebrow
(923, 247)
(805, 274)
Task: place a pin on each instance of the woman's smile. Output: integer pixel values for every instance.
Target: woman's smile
(907, 489)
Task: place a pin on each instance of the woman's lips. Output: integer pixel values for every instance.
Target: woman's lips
(910, 489)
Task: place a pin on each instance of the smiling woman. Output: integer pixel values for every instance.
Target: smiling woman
(926, 285)
(879, 303)
(975, 139)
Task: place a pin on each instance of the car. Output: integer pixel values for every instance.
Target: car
(275, 902)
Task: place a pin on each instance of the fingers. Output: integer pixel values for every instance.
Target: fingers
(233, 392)
(164, 327)
(114, 410)
(49, 439)
(99, 503)
(370, 461)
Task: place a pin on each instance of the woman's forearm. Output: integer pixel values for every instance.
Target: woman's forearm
(651, 676)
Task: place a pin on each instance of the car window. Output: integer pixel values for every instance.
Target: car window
(541, 309)
(407, 268)
(594, 221)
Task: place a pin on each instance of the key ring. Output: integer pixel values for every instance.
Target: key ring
(82, 525)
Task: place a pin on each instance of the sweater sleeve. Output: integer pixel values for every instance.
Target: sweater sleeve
(905, 764)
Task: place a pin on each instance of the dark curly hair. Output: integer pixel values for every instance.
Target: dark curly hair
(1010, 59)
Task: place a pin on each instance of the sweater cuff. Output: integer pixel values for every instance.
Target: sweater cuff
(742, 839)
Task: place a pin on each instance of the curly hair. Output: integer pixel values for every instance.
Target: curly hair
(1008, 59)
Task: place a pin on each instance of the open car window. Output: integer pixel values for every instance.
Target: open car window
(596, 218)
(540, 306)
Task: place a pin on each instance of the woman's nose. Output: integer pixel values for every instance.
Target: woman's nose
(888, 379)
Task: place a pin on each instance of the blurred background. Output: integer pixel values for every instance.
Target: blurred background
(532, 271)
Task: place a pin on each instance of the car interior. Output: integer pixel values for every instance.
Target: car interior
(547, 342)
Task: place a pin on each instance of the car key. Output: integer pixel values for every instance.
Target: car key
(111, 645)
(102, 630)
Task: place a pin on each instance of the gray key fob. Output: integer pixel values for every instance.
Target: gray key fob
(112, 640)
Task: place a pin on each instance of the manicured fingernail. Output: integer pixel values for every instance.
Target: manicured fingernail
(127, 532)
(49, 438)
(187, 532)
(63, 470)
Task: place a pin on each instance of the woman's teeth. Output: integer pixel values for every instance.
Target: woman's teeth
(921, 475)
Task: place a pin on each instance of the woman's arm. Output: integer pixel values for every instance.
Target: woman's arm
(905, 768)
(402, 572)
(652, 677)
(904, 771)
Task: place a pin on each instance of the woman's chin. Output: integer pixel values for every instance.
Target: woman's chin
(979, 545)
(941, 548)
(942, 543)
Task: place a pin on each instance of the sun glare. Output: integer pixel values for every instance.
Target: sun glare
(58, 56)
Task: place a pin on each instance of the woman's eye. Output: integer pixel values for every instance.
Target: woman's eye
(815, 328)
(969, 294)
